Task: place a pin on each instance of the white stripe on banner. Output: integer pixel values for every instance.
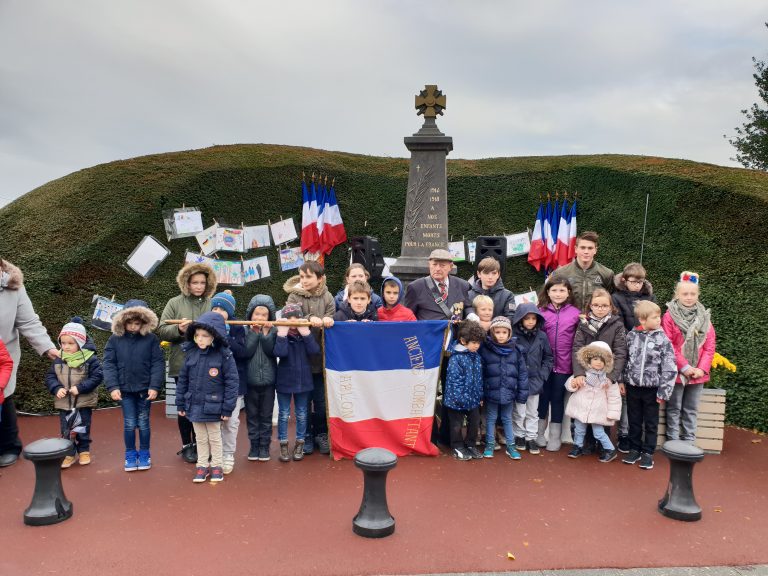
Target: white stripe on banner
(356, 395)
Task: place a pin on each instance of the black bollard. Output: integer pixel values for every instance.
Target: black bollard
(679, 502)
(49, 505)
(374, 520)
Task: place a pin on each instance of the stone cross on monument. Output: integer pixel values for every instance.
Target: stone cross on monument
(425, 225)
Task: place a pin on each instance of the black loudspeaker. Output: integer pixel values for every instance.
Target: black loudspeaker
(367, 251)
(495, 246)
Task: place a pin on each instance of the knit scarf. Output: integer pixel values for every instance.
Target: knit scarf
(595, 378)
(595, 324)
(76, 359)
(694, 323)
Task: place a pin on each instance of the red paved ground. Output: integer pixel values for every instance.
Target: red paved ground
(274, 518)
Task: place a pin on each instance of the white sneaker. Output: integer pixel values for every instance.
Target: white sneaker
(228, 463)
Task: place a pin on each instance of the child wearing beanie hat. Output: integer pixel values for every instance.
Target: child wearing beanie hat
(505, 382)
(596, 401)
(73, 380)
(224, 303)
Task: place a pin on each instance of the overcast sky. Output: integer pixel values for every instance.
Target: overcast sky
(87, 82)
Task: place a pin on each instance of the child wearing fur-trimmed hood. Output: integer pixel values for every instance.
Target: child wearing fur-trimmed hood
(595, 401)
(134, 371)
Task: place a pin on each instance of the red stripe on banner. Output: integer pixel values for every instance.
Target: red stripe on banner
(403, 437)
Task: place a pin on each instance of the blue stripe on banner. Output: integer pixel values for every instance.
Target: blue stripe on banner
(369, 346)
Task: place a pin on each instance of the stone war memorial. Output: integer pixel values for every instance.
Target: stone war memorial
(425, 224)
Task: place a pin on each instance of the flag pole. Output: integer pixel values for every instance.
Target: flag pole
(645, 222)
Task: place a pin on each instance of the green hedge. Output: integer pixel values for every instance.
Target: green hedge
(71, 235)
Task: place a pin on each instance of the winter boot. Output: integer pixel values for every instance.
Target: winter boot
(554, 437)
(298, 450)
(285, 454)
(540, 439)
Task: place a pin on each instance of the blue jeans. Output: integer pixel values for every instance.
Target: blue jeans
(493, 411)
(598, 431)
(300, 406)
(136, 415)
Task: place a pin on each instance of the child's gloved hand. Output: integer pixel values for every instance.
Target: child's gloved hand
(282, 331)
(115, 395)
(304, 330)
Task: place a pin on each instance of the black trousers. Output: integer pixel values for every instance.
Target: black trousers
(456, 422)
(10, 443)
(643, 418)
(259, 404)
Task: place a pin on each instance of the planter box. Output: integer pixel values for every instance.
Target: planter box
(710, 423)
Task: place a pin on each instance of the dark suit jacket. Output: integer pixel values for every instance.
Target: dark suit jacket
(419, 298)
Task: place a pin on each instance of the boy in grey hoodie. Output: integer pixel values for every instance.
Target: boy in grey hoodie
(650, 377)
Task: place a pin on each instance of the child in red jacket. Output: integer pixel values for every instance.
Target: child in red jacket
(392, 310)
(6, 369)
(688, 326)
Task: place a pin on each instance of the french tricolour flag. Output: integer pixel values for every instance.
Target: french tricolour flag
(309, 236)
(561, 251)
(572, 233)
(537, 253)
(333, 227)
(381, 380)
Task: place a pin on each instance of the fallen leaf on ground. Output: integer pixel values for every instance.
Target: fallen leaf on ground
(757, 440)
(510, 556)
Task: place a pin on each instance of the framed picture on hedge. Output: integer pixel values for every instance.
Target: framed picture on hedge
(103, 311)
(146, 257)
(518, 244)
(182, 222)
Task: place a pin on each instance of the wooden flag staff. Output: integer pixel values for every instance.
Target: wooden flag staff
(296, 323)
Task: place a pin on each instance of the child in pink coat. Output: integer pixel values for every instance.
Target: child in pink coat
(688, 326)
(595, 399)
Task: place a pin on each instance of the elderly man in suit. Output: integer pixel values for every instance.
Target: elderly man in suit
(438, 296)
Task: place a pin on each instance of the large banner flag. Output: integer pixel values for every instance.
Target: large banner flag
(381, 380)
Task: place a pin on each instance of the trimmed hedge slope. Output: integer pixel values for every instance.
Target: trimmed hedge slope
(71, 235)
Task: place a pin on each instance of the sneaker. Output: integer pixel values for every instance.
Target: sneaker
(68, 461)
(217, 474)
(264, 454)
(131, 461)
(285, 454)
(520, 443)
(623, 444)
(201, 474)
(299, 450)
(575, 452)
(323, 446)
(309, 446)
(145, 460)
(253, 454)
(608, 456)
(461, 454)
(488, 452)
(533, 448)
(512, 453)
(632, 458)
(189, 453)
(474, 452)
(228, 464)
(646, 461)
(85, 458)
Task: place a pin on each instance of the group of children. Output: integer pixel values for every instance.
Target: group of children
(518, 365)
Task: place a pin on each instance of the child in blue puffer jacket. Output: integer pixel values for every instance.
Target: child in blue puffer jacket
(134, 372)
(505, 381)
(463, 390)
(206, 392)
(528, 330)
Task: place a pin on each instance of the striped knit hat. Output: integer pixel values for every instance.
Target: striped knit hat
(74, 330)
